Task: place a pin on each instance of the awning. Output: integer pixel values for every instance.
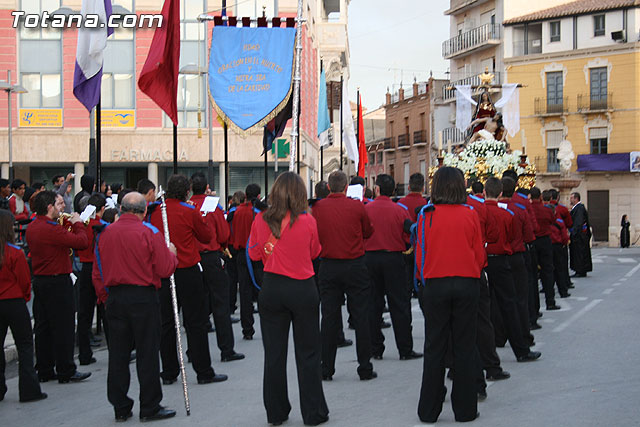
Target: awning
(618, 162)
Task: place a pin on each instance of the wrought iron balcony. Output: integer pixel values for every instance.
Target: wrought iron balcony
(595, 103)
(480, 37)
(388, 144)
(546, 106)
(420, 137)
(404, 141)
(449, 91)
(453, 135)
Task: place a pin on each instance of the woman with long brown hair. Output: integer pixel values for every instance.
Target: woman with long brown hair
(285, 239)
(15, 291)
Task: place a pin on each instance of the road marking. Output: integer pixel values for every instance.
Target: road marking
(607, 291)
(576, 316)
(627, 260)
(624, 279)
(548, 320)
(633, 271)
(617, 284)
(578, 298)
(597, 261)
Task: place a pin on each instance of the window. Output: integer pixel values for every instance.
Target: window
(372, 158)
(553, 139)
(598, 139)
(554, 31)
(37, 7)
(554, 92)
(598, 87)
(423, 167)
(379, 157)
(118, 78)
(598, 25)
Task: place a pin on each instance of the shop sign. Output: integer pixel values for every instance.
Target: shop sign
(146, 155)
(118, 118)
(40, 117)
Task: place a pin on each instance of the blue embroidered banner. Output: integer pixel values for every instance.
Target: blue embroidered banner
(250, 74)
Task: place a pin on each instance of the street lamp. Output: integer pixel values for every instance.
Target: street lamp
(9, 88)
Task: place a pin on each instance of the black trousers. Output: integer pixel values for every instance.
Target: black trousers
(561, 268)
(15, 315)
(386, 270)
(521, 286)
(450, 308)
(134, 316)
(284, 301)
(232, 270)
(216, 280)
(339, 277)
(54, 315)
(247, 289)
(316, 269)
(86, 307)
(193, 300)
(531, 261)
(501, 283)
(485, 339)
(544, 254)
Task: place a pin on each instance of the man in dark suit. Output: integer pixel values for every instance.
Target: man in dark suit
(580, 236)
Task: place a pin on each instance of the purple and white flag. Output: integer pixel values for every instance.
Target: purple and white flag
(87, 76)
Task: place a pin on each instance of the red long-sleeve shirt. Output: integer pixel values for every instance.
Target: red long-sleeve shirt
(388, 220)
(241, 225)
(503, 218)
(412, 201)
(527, 231)
(132, 252)
(343, 224)
(12, 207)
(524, 200)
(559, 232)
(545, 217)
(449, 241)
(216, 222)
(293, 253)
(186, 229)
(489, 229)
(15, 279)
(49, 245)
(521, 230)
(88, 255)
(563, 213)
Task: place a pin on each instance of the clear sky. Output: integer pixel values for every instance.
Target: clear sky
(393, 41)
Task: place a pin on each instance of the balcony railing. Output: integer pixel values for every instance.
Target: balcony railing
(593, 102)
(449, 91)
(454, 135)
(480, 36)
(545, 106)
(404, 140)
(388, 144)
(419, 137)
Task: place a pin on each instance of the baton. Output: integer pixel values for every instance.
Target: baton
(174, 301)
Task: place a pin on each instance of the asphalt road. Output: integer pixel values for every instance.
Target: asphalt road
(588, 374)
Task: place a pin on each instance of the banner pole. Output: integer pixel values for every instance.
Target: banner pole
(296, 90)
(341, 106)
(266, 175)
(226, 161)
(98, 146)
(175, 149)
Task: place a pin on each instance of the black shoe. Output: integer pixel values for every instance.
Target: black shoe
(124, 417)
(235, 319)
(327, 377)
(502, 375)
(47, 378)
(75, 378)
(385, 325)
(553, 307)
(163, 413)
(88, 362)
(279, 423)
(233, 356)
(211, 329)
(41, 396)
(579, 275)
(370, 376)
(255, 310)
(501, 344)
(247, 337)
(571, 286)
(132, 356)
(217, 378)
(535, 326)
(385, 309)
(377, 356)
(410, 356)
(94, 343)
(539, 314)
(345, 343)
(450, 374)
(567, 295)
(482, 396)
(530, 357)
(169, 381)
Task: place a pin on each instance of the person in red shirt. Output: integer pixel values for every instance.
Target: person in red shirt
(343, 224)
(16, 203)
(565, 216)
(86, 291)
(186, 229)
(383, 255)
(213, 269)
(559, 238)
(15, 291)
(240, 222)
(449, 260)
(499, 270)
(130, 259)
(285, 239)
(53, 304)
(546, 219)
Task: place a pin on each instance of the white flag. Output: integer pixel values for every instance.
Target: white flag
(464, 101)
(348, 129)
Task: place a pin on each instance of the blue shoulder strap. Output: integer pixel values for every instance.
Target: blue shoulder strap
(476, 198)
(523, 207)
(510, 211)
(559, 221)
(402, 205)
(98, 259)
(151, 227)
(187, 205)
(468, 206)
(13, 246)
(250, 263)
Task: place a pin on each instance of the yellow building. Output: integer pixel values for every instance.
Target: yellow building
(579, 65)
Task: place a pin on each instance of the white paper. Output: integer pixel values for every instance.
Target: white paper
(355, 191)
(89, 212)
(503, 205)
(210, 204)
(114, 197)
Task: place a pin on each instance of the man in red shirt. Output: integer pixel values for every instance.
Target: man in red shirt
(131, 257)
(53, 307)
(343, 224)
(385, 263)
(563, 212)
(186, 229)
(213, 269)
(559, 238)
(240, 222)
(546, 219)
(499, 270)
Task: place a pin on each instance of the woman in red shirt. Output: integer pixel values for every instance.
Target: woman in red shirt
(285, 239)
(449, 259)
(15, 291)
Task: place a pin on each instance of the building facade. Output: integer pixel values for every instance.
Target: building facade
(51, 128)
(579, 64)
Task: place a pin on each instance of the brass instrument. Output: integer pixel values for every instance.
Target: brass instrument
(67, 216)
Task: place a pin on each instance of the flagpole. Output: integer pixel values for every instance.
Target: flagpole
(358, 134)
(175, 149)
(295, 127)
(341, 104)
(98, 146)
(266, 175)
(321, 146)
(226, 161)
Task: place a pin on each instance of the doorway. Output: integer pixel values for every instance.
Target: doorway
(598, 202)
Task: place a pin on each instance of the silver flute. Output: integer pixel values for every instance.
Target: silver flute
(174, 301)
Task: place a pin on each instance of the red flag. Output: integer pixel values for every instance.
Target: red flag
(159, 76)
(362, 148)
